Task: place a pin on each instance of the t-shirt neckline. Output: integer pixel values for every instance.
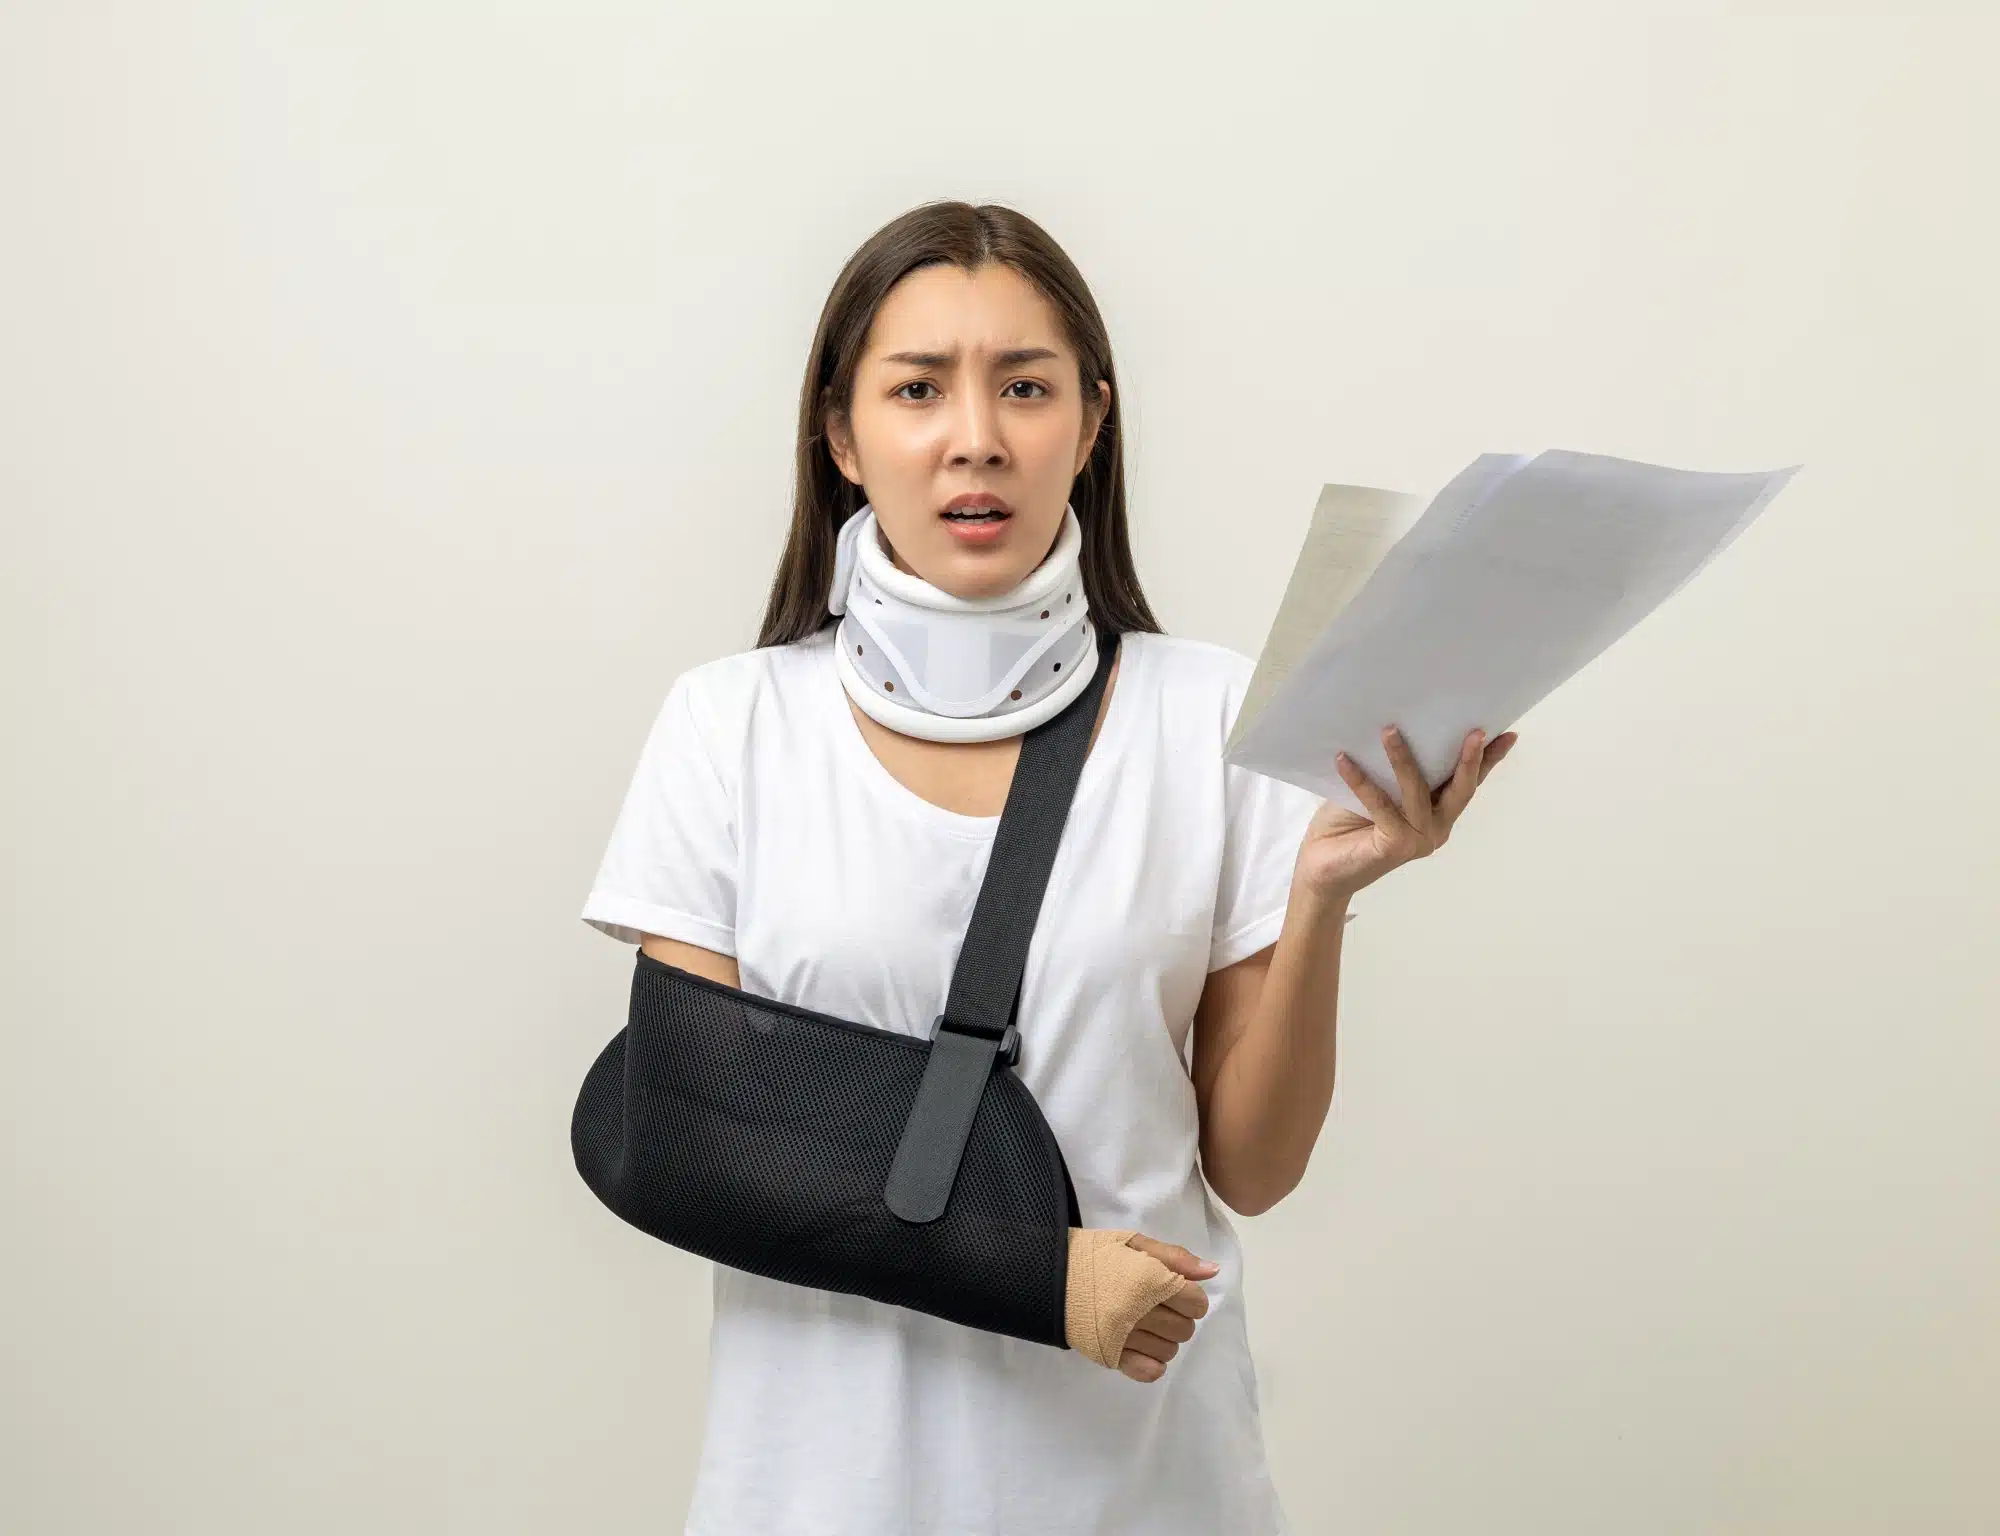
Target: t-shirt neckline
(895, 792)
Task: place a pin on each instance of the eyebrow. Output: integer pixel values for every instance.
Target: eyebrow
(1011, 358)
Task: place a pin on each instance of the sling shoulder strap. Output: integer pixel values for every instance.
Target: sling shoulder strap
(976, 1031)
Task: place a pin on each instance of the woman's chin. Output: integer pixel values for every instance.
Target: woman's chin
(975, 570)
(974, 578)
(993, 560)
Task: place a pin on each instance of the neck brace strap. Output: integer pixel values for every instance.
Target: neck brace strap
(925, 663)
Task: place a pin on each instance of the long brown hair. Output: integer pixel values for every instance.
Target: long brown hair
(967, 236)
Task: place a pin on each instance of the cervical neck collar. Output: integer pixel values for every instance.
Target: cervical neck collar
(943, 668)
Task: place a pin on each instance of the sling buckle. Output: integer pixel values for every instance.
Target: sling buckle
(1009, 1049)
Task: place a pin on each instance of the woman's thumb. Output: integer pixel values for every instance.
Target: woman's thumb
(1175, 1257)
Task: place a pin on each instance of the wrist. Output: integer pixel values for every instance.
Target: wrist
(1320, 903)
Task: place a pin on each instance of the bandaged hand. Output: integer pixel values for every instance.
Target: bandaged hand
(1132, 1300)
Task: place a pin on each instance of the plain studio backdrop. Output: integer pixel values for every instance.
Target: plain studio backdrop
(393, 399)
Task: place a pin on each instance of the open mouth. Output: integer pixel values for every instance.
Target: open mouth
(977, 515)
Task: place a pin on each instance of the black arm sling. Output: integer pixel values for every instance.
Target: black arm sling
(827, 1153)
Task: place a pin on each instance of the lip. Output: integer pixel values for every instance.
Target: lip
(976, 499)
(977, 533)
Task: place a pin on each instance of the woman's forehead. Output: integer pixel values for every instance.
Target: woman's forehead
(944, 312)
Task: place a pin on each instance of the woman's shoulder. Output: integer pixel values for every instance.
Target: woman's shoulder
(1198, 680)
(724, 695)
(1194, 662)
(741, 674)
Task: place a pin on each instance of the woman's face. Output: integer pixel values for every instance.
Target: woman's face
(967, 385)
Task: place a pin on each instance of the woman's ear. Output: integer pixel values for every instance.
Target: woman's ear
(1094, 412)
(840, 444)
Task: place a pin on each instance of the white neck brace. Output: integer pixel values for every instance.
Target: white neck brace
(943, 668)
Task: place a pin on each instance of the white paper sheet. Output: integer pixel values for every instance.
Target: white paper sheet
(1517, 573)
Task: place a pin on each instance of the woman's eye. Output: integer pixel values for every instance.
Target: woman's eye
(927, 384)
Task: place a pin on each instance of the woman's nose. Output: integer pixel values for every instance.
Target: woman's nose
(975, 429)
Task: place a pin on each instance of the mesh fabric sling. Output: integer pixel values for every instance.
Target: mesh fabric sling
(830, 1153)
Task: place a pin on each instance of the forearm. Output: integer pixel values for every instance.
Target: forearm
(1273, 1087)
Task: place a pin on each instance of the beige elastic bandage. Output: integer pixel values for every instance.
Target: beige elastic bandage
(1111, 1286)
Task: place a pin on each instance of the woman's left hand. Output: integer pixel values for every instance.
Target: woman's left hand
(1344, 852)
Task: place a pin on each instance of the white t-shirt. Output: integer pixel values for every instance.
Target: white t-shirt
(760, 824)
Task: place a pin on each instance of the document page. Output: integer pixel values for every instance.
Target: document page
(1515, 575)
(1352, 528)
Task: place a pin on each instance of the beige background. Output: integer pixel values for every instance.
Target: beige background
(393, 399)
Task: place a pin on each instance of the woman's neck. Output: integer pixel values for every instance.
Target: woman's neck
(970, 778)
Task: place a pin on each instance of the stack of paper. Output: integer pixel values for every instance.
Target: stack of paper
(1518, 573)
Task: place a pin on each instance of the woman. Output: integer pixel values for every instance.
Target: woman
(800, 828)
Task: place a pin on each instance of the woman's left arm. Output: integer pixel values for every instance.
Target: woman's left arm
(1263, 1063)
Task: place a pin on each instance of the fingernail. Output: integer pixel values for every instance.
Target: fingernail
(1208, 1266)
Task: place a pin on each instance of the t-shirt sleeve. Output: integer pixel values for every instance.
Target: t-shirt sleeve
(670, 867)
(1264, 822)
